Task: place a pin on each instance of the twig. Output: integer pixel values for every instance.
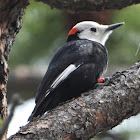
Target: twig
(137, 50)
(15, 102)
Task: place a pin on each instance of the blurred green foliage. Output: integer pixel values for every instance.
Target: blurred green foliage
(43, 33)
(42, 29)
(124, 42)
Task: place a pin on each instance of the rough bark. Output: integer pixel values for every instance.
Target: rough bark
(89, 5)
(10, 22)
(95, 111)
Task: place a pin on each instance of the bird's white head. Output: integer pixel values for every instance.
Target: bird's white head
(92, 31)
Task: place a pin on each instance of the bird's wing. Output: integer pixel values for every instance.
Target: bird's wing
(66, 60)
(64, 75)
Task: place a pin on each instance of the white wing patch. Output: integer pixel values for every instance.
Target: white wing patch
(63, 76)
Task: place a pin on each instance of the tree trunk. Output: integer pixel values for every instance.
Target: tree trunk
(95, 111)
(10, 22)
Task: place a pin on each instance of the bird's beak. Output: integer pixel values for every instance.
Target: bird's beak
(113, 26)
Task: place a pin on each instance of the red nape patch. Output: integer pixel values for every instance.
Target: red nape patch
(101, 80)
(73, 31)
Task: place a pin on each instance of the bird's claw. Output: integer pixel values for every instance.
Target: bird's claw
(102, 82)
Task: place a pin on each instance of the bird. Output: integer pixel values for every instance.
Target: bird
(76, 67)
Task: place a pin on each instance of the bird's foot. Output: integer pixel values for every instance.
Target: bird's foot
(102, 81)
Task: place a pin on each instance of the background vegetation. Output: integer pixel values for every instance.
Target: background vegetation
(41, 33)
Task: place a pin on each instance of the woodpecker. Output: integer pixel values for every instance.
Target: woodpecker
(76, 67)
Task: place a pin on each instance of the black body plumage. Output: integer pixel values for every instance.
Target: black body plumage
(90, 60)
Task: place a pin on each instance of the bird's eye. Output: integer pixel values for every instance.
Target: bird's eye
(93, 29)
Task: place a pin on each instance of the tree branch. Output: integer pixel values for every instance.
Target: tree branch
(95, 111)
(89, 5)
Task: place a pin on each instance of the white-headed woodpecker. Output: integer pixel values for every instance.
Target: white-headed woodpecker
(75, 67)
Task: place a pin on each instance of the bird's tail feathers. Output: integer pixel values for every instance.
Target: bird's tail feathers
(40, 108)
